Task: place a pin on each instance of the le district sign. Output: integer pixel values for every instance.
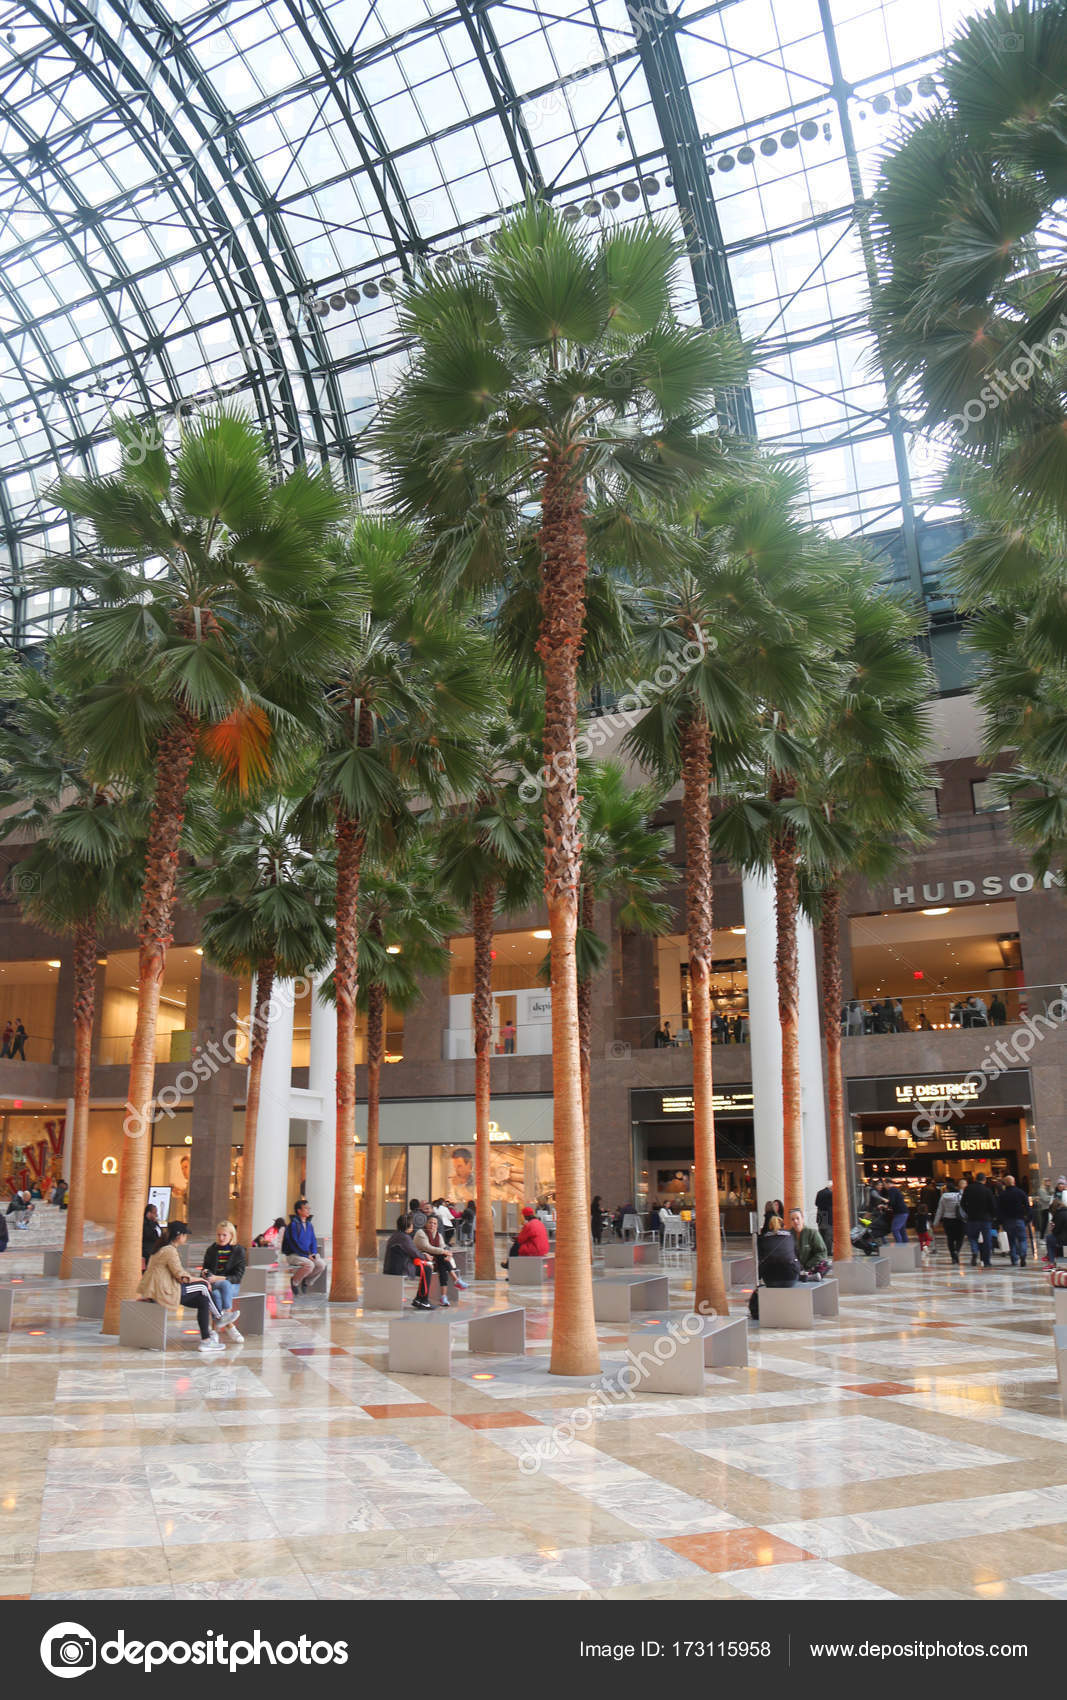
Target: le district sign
(983, 885)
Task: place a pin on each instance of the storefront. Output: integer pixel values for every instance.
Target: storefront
(943, 1125)
(663, 1147)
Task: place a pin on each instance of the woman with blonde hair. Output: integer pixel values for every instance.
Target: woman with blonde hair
(224, 1265)
(167, 1282)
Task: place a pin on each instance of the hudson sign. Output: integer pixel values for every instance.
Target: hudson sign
(958, 891)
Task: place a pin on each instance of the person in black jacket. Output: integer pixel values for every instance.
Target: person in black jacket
(980, 1209)
(1056, 1238)
(224, 1264)
(1014, 1212)
(151, 1235)
(3, 1233)
(401, 1257)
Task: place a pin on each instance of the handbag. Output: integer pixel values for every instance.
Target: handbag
(1003, 1242)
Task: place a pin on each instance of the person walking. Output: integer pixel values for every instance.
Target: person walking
(596, 1219)
(167, 1282)
(949, 1215)
(896, 1206)
(18, 1043)
(979, 1211)
(5, 1040)
(224, 1264)
(1056, 1238)
(998, 1010)
(1013, 1214)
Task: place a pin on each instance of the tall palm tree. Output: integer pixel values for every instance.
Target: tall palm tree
(404, 924)
(83, 873)
(623, 863)
(555, 374)
(395, 724)
(865, 786)
(489, 851)
(196, 565)
(269, 919)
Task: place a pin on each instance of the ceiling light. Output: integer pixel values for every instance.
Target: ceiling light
(768, 146)
(370, 290)
(740, 931)
(390, 285)
(591, 209)
(320, 308)
(392, 950)
(542, 933)
(611, 198)
(726, 162)
(746, 155)
(337, 302)
(651, 185)
(631, 192)
(945, 910)
(880, 103)
(197, 951)
(789, 138)
(351, 294)
(54, 964)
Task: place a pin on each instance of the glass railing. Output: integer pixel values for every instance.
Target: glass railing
(36, 1047)
(948, 1012)
(652, 1032)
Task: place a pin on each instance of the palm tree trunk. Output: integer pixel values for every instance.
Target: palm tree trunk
(585, 1024)
(483, 910)
(84, 1014)
(835, 1084)
(344, 1280)
(368, 1212)
(264, 988)
(710, 1286)
(563, 576)
(174, 760)
(786, 912)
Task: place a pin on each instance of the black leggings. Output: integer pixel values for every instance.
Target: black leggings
(197, 1295)
(954, 1235)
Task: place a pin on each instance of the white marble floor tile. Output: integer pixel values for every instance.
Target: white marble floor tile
(981, 1517)
(830, 1451)
(810, 1580)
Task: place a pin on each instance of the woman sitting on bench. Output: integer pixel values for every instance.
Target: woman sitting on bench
(166, 1282)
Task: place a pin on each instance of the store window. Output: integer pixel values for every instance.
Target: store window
(987, 797)
(519, 1174)
(179, 1005)
(945, 966)
(28, 995)
(522, 1005)
(668, 1018)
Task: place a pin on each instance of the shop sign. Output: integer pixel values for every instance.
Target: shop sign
(681, 1103)
(952, 1090)
(1011, 1087)
(959, 891)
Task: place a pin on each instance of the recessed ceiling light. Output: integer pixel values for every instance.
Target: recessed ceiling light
(54, 964)
(542, 933)
(392, 950)
(738, 930)
(942, 911)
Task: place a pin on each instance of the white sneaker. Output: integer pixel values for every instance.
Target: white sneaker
(236, 1336)
(212, 1344)
(228, 1317)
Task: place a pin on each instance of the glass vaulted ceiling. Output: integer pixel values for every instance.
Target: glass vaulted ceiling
(198, 200)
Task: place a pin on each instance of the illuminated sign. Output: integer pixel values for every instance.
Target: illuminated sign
(109, 1166)
(496, 1132)
(681, 1103)
(952, 1090)
(959, 891)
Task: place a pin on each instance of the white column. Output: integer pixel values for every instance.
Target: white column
(765, 1037)
(322, 1078)
(812, 1091)
(272, 1133)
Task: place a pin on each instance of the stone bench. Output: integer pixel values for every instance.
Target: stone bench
(616, 1297)
(1060, 1336)
(262, 1257)
(903, 1259)
(797, 1307)
(143, 1323)
(81, 1268)
(531, 1271)
(680, 1367)
(420, 1343)
(253, 1309)
(7, 1298)
(632, 1254)
(1059, 1305)
(92, 1300)
(742, 1272)
(51, 1261)
(863, 1274)
(383, 1292)
(255, 1279)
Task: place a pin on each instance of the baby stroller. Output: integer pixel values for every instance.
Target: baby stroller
(869, 1232)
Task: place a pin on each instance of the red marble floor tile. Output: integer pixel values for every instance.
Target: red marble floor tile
(319, 1352)
(499, 1419)
(881, 1389)
(385, 1412)
(736, 1549)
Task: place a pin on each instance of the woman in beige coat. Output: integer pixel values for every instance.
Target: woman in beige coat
(167, 1282)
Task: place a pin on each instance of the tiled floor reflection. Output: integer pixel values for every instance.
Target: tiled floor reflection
(864, 1459)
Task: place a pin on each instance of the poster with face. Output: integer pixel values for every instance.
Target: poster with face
(178, 1179)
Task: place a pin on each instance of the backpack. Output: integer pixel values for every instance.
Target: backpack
(288, 1248)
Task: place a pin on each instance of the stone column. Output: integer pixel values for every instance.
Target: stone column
(63, 1020)
(812, 1088)
(765, 1036)
(424, 1026)
(212, 1100)
(322, 1077)
(272, 1133)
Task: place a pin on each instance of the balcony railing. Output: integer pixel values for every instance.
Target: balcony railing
(947, 1012)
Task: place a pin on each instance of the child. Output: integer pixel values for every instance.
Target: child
(922, 1228)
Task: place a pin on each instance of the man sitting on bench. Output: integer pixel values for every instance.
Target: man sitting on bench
(402, 1258)
(306, 1265)
(531, 1239)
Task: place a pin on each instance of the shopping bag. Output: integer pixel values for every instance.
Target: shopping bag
(1003, 1242)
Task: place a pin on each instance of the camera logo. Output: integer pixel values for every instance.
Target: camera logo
(1011, 43)
(68, 1649)
(617, 1050)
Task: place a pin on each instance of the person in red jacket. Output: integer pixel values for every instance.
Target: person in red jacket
(532, 1237)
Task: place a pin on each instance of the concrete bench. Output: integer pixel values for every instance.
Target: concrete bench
(742, 1272)
(1060, 1336)
(92, 1299)
(255, 1278)
(863, 1274)
(1059, 1305)
(253, 1309)
(797, 1307)
(903, 1259)
(51, 1262)
(81, 1268)
(262, 1257)
(632, 1254)
(678, 1367)
(143, 1324)
(616, 1297)
(531, 1271)
(420, 1343)
(383, 1292)
(7, 1297)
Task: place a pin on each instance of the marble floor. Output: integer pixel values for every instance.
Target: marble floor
(859, 1460)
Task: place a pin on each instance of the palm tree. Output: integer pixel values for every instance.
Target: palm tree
(554, 375)
(83, 873)
(404, 924)
(865, 786)
(967, 218)
(270, 918)
(622, 862)
(488, 855)
(194, 565)
(395, 724)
